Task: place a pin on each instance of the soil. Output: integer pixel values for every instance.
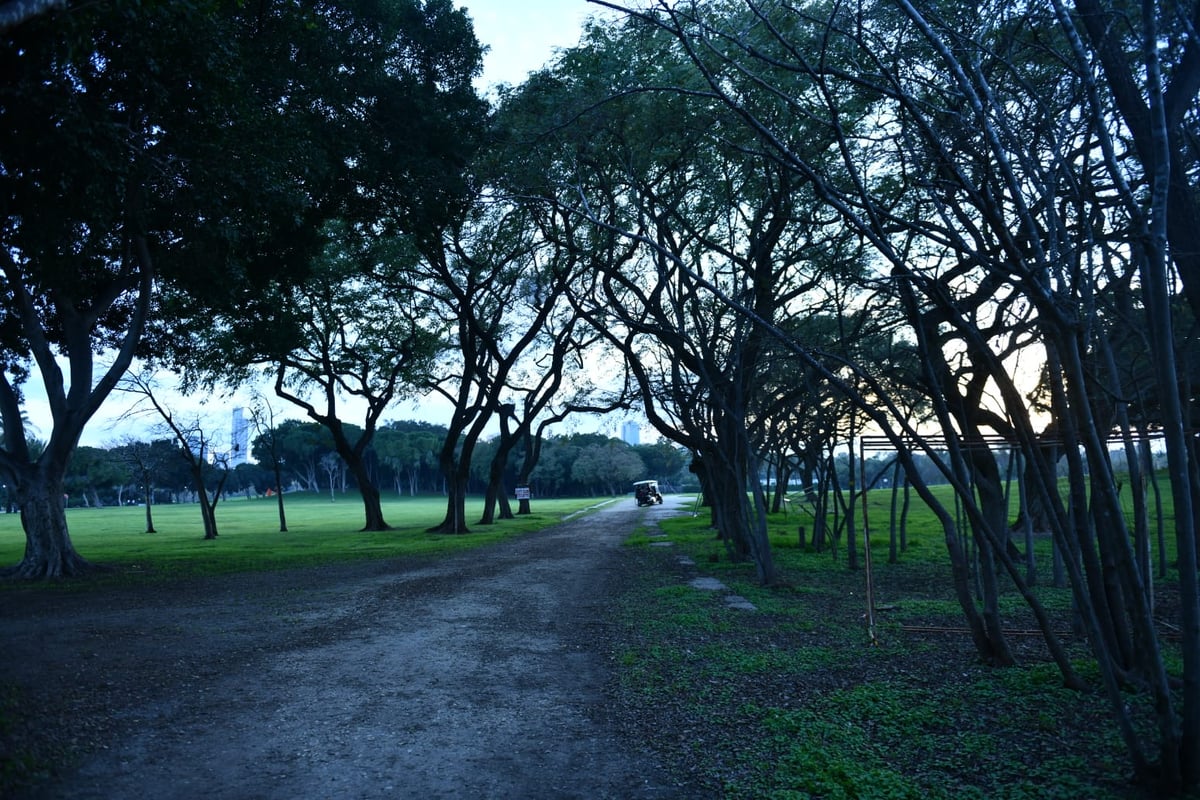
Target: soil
(486, 674)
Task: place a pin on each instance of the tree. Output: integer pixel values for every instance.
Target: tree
(1001, 212)
(147, 462)
(262, 417)
(673, 193)
(250, 480)
(410, 449)
(610, 467)
(589, 396)
(132, 161)
(553, 474)
(92, 469)
(333, 465)
(198, 447)
(52, 315)
(1156, 97)
(549, 382)
(1153, 89)
(357, 339)
(875, 206)
(500, 301)
(549, 378)
(664, 461)
(395, 121)
(298, 446)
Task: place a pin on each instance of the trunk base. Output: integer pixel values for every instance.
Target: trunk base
(71, 565)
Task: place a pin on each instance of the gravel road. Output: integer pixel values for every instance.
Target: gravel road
(482, 675)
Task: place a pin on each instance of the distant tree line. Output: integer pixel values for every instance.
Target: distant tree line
(402, 458)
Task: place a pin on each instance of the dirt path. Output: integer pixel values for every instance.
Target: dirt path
(483, 675)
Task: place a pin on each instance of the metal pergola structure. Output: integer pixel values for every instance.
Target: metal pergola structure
(877, 444)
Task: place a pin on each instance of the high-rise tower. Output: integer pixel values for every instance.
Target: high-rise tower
(240, 440)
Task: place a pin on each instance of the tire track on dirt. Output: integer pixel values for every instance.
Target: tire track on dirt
(478, 675)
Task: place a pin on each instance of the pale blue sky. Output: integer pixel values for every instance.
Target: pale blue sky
(523, 34)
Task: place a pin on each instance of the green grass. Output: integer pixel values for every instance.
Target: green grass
(925, 531)
(319, 531)
(793, 702)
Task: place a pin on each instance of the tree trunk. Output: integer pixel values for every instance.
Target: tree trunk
(149, 501)
(208, 513)
(456, 470)
(456, 502)
(48, 549)
(820, 501)
(491, 498)
(852, 492)
(279, 497)
(893, 525)
(372, 505)
(208, 508)
(740, 518)
(758, 535)
(533, 451)
(495, 494)
(729, 520)
(781, 478)
(987, 532)
(372, 508)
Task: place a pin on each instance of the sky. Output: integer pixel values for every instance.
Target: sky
(521, 36)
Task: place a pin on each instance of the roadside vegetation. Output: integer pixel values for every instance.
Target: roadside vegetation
(793, 700)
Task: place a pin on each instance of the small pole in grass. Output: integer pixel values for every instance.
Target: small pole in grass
(867, 555)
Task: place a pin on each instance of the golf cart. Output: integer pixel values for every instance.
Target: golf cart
(646, 493)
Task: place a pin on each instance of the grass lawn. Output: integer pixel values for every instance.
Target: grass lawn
(793, 701)
(319, 531)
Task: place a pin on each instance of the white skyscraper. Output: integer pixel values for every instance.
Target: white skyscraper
(240, 440)
(631, 433)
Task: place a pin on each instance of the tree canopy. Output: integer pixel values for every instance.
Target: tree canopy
(789, 233)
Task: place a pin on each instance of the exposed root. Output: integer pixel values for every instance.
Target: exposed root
(72, 566)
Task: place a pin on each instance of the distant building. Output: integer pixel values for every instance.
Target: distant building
(631, 433)
(240, 439)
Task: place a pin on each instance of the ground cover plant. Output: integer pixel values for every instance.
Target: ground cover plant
(793, 700)
(319, 531)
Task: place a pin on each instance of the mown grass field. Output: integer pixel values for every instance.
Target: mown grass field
(319, 531)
